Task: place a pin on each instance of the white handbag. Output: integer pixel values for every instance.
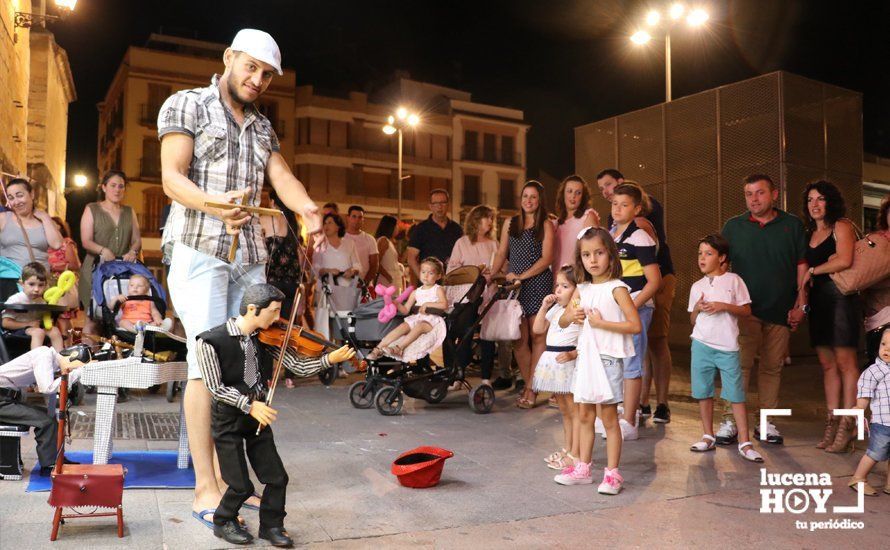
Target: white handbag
(502, 321)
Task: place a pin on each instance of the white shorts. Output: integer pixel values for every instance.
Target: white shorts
(206, 292)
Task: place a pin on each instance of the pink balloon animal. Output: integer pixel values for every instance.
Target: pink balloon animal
(389, 310)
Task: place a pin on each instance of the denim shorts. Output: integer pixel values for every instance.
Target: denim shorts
(633, 366)
(206, 291)
(878, 442)
(614, 368)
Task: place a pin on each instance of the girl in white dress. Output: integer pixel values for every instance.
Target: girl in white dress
(422, 332)
(605, 310)
(556, 366)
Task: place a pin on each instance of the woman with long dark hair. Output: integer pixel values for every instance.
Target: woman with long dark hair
(835, 319)
(573, 213)
(527, 242)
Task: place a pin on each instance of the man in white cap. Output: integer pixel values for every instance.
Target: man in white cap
(217, 147)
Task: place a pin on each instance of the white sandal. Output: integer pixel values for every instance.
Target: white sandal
(562, 462)
(707, 443)
(556, 455)
(747, 451)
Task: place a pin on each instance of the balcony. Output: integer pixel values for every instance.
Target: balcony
(505, 157)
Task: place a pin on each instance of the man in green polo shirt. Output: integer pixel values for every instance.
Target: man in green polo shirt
(766, 249)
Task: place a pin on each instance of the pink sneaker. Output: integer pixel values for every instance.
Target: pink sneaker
(578, 475)
(612, 482)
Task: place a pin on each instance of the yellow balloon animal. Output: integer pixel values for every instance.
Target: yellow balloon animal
(66, 282)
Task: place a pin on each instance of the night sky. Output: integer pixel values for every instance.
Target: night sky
(565, 63)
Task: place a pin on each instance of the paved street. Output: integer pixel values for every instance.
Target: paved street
(496, 491)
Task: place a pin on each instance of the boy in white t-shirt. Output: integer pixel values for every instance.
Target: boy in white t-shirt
(716, 301)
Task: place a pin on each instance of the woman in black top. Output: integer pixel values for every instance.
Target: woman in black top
(835, 319)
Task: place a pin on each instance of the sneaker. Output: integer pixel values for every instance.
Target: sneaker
(727, 434)
(628, 432)
(599, 427)
(612, 482)
(579, 475)
(772, 434)
(645, 411)
(662, 414)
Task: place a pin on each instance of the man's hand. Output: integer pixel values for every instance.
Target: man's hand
(795, 316)
(234, 218)
(341, 355)
(262, 413)
(311, 217)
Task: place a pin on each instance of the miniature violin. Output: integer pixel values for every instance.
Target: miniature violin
(302, 340)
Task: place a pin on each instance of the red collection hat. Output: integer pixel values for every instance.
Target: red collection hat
(420, 467)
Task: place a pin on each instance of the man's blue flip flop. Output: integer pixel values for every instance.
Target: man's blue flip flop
(200, 516)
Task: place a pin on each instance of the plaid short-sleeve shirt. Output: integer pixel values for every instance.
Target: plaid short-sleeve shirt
(874, 384)
(227, 157)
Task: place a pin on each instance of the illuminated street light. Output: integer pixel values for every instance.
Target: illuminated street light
(396, 124)
(652, 18)
(676, 11)
(27, 20)
(641, 37)
(80, 180)
(695, 18)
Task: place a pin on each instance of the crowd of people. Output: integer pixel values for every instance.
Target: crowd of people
(764, 274)
(593, 309)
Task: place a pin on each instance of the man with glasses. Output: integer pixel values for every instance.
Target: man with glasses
(435, 236)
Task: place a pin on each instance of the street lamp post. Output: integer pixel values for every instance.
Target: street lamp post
(395, 124)
(695, 18)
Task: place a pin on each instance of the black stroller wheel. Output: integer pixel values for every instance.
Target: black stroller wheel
(327, 376)
(361, 395)
(172, 389)
(389, 401)
(481, 399)
(436, 394)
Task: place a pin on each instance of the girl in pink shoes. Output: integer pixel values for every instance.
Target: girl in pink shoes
(603, 307)
(556, 366)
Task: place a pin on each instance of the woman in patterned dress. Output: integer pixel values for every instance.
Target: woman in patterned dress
(527, 243)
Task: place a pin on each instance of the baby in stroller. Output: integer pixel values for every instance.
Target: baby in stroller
(136, 310)
(421, 332)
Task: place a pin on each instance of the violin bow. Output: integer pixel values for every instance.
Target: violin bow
(298, 296)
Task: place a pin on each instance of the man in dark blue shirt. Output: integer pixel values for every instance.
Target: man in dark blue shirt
(434, 236)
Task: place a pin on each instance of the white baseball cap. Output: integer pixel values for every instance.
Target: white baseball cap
(259, 45)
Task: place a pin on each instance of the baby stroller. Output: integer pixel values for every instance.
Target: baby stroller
(111, 279)
(387, 381)
(337, 302)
